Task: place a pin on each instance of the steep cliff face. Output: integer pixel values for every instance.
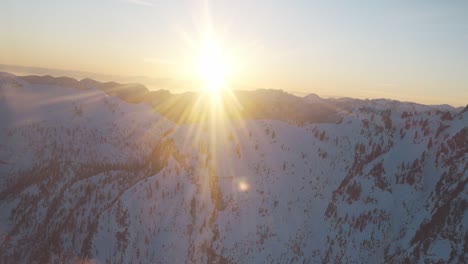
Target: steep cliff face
(85, 176)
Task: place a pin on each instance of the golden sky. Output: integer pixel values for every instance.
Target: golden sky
(366, 49)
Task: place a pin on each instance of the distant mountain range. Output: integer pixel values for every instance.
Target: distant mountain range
(99, 172)
(152, 82)
(257, 104)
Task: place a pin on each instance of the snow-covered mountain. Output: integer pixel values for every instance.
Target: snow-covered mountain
(91, 172)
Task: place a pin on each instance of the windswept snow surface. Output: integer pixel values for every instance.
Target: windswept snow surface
(85, 176)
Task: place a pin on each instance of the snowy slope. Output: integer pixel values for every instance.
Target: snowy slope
(85, 176)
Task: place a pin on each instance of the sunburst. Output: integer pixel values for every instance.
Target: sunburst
(213, 68)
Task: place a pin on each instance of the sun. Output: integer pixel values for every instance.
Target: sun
(213, 68)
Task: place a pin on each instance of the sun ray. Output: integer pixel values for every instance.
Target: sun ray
(216, 113)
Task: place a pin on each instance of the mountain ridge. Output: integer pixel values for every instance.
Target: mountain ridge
(161, 100)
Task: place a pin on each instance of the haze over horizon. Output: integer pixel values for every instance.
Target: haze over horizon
(399, 50)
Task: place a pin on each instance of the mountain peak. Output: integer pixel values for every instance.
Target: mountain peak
(312, 98)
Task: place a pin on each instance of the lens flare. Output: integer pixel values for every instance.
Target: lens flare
(243, 186)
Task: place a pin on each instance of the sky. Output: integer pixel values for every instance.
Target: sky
(405, 50)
